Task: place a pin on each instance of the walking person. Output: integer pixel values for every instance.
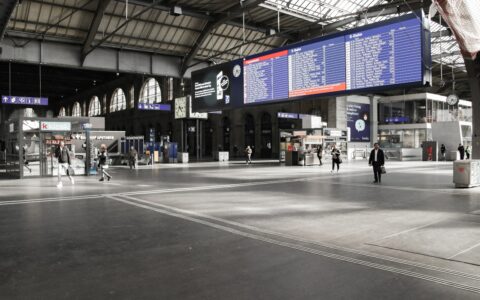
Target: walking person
(336, 159)
(467, 152)
(377, 160)
(461, 149)
(320, 154)
(132, 157)
(102, 162)
(64, 163)
(248, 155)
(443, 150)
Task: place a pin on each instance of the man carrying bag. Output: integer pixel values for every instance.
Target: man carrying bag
(377, 161)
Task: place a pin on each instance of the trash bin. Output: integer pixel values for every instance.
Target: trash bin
(466, 173)
(182, 157)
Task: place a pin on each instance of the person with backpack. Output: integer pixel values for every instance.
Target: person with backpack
(64, 163)
(102, 162)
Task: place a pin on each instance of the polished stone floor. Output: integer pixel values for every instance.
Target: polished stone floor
(231, 231)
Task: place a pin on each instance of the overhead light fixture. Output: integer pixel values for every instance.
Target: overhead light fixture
(176, 11)
(270, 31)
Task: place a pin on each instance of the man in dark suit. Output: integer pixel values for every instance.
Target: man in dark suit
(377, 160)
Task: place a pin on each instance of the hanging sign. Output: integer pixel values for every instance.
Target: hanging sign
(20, 100)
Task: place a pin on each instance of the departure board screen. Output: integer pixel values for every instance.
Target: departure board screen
(371, 57)
(386, 55)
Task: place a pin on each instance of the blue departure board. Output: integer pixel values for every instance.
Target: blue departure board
(386, 55)
(372, 57)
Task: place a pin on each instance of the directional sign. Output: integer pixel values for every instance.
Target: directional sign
(155, 106)
(21, 100)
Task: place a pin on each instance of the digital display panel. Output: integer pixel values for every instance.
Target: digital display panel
(372, 57)
(358, 120)
(390, 54)
(218, 87)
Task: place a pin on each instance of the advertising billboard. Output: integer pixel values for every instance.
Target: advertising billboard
(218, 87)
(358, 120)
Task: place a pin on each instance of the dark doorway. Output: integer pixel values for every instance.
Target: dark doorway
(208, 131)
(266, 138)
(226, 134)
(250, 132)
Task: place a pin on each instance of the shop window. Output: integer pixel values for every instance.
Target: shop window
(118, 101)
(76, 110)
(94, 108)
(151, 92)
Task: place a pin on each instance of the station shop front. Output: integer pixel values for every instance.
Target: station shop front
(31, 143)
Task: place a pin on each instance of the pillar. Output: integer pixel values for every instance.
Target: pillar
(473, 71)
(337, 112)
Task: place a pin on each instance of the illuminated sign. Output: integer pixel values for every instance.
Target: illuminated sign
(21, 100)
(55, 126)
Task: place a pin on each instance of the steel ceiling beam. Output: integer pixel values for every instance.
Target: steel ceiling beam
(6, 10)
(211, 25)
(147, 8)
(92, 31)
(374, 11)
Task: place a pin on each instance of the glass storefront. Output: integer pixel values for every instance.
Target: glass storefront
(403, 138)
(421, 111)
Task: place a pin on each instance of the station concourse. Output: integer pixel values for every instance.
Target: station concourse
(224, 150)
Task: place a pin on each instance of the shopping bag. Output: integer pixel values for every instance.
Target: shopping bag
(382, 170)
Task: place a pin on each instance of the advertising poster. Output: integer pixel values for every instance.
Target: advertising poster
(358, 120)
(218, 87)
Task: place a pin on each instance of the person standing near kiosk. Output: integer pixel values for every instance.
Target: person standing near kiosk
(377, 160)
(64, 162)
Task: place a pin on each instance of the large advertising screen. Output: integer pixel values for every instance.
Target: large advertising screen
(358, 121)
(218, 87)
(389, 54)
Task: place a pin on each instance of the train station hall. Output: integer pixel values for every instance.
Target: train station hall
(239, 149)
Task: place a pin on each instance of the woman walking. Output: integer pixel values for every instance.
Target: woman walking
(336, 160)
(102, 162)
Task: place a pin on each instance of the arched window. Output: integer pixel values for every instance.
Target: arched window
(151, 92)
(62, 112)
(118, 101)
(94, 108)
(76, 110)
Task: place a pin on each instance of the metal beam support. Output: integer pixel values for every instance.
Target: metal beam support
(92, 31)
(147, 8)
(6, 10)
(374, 11)
(445, 54)
(211, 25)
